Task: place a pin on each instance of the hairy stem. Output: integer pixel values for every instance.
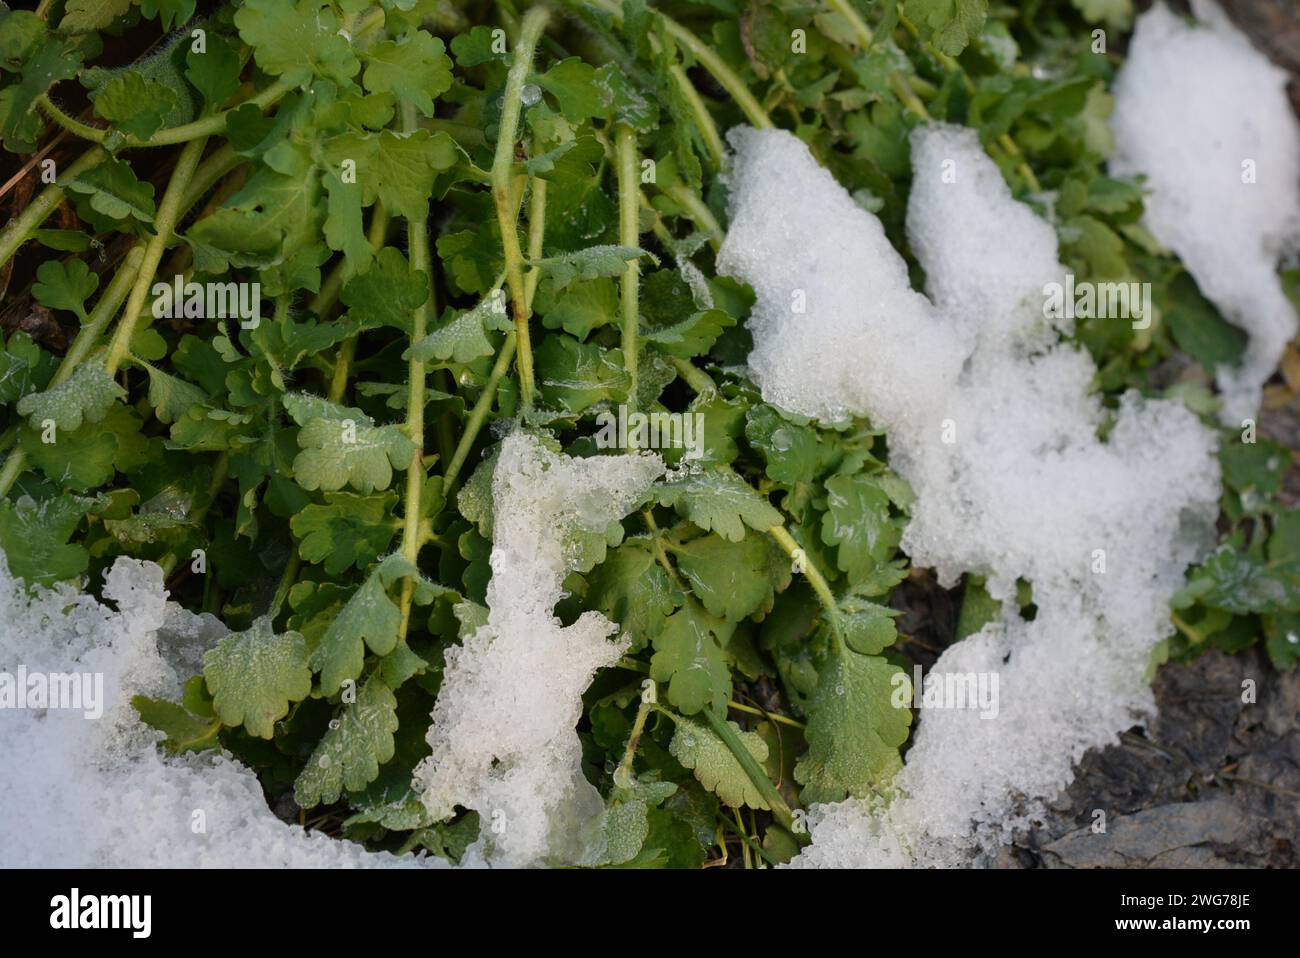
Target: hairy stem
(417, 237)
(169, 214)
(199, 129)
(503, 190)
(19, 228)
(629, 235)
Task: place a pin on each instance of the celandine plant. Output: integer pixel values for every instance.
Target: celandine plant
(394, 334)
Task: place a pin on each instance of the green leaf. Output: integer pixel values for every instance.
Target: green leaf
(949, 24)
(172, 397)
(416, 69)
(574, 376)
(370, 618)
(47, 62)
(396, 168)
(65, 285)
(34, 538)
(858, 521)
(793, 452)
(168, 12)
(185, 731)
(254, 675)
(387, 293)
(693, 336)
(343, 447)
(85, 396)
(700, 749)
(719, 500)
(347, 530)
(1197, 327)
(80, 460)
(868, 627)
(854, 731)
(215, 71)
(732, 579)
(114, 191)
(688, 657)
(1116, 14)
(464, 338)
(296, 41)
(350, 753)
(571, 82)
(134, 104)
(85, 16)
(588, 263)
(579, 309)
(632, 589)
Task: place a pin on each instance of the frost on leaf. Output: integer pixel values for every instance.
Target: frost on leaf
(503, 735)
(1220, 149)
(349, 755)
(85, 396)
(255, 674)
(343, 446)
(700, 749)
(1023, 489)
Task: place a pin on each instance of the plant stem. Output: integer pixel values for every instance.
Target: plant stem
(696, 210)
(703, 119)
(417, 237)
(503, 190)
(478, 415)
(623, 774)
(86, 339)
(699, 381)
(780, 810)
(169, 214)
(219, 470)
(200, 129)
(709, 59)
(629, 235)
(813, 574)
(19, 228)
(769, 716)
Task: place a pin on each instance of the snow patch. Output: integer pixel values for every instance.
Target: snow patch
(503, 732)
(97, 794)
(989, 416)
(1206, 118)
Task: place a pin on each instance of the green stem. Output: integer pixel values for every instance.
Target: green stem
(478, 415)
(19, 228)
(699, 381)
(219, 470)
(813, 574)
(169, 214)
(710, 60)
(417, 235)
(697, 211)
(329, 292)
(503, 190)
(623, 774)
(629, 235)
(703, 119)
(91, 330)
(780, 810)
(199, 129)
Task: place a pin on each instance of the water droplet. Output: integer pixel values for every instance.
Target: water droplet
(324, 761)
(335, 724)
(530, 94)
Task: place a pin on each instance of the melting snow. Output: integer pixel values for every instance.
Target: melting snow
(503, 733)
(1206, 118)
(84, 793)
(989, 417)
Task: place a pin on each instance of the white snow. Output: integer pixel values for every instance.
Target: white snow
(1206, 118)
(1023, 489)
(503, 732)
(98, 793)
